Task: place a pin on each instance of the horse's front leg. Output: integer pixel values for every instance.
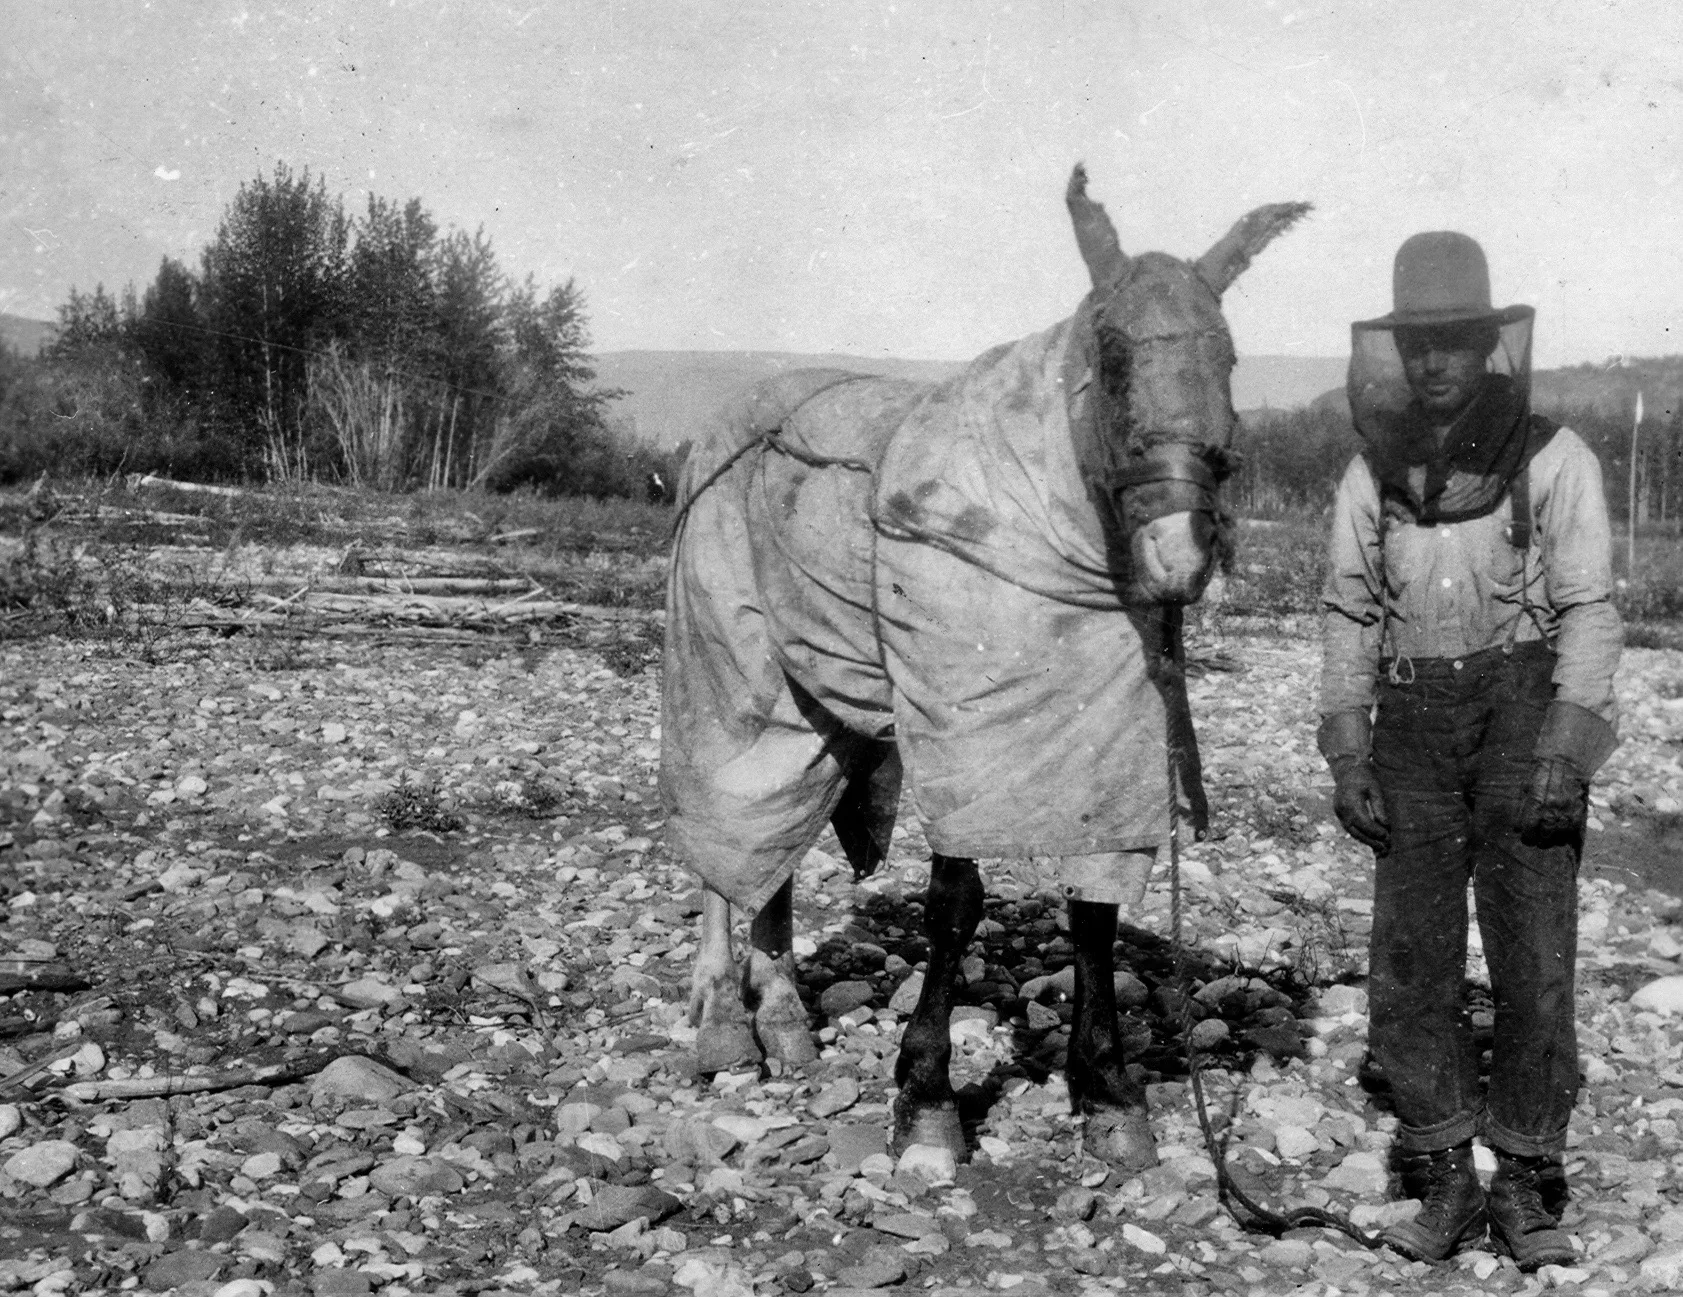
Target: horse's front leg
(724, 1040)
(926, 1111)
(1117, 1129)
(780, 1019)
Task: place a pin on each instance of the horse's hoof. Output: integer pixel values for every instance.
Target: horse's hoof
(788, 1042)
(938, 1125)
(725, 1047)
(1120, 1137)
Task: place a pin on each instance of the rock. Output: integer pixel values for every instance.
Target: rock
(352, 1077)
(369, 993)
(838, 1096)
(11, 1119)
(1294, 1142)
(1361, 1174)
(842, 997)
(221, 1225)
(1336, 1001)
(1664, 995)
(708, 1276)
(906, 1224)
(1293, 1253)
(340, 1283)
(852, 1142)
(931, 1164)
(43, 1164)
(1209, 1033)
(1143, 1239)
(177, 1269)
(880, 1266)
(1130, 991)
(906, 995)
(415, 1177)
(615, 1205)
(1663, 1270)
(746, 1129)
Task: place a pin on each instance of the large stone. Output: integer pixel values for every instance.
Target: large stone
(352, 1077)
(177, 1269)
(843, 997)
(880, 1266)
(369, 993)
(851, 1142)
(615, 1205)
(415, 1177)
(1361, 1173)
(1664, 995)
(1663, 1270)
(838, 1096)
(43, 1164)
(906, 995)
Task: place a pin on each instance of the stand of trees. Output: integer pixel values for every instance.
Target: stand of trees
(372, 349)
(1291, 461)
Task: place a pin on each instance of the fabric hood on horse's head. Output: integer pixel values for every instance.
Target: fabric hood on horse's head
(1159, 359)
(1163, 355)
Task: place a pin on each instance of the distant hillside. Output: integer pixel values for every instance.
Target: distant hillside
(25, 336)
(1608, 389)
(672, 394)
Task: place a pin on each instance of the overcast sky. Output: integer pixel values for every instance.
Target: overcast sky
(877, 178)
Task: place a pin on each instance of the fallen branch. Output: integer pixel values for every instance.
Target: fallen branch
(25, 1074)
(139, 481)
(150, 1087)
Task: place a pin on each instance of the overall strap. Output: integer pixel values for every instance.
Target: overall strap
(1521, 526)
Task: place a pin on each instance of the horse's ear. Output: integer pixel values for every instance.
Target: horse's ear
(1094, 234)
(1227, 260)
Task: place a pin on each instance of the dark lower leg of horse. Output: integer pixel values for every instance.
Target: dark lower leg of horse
(780, 1020)
(724, 1040)
(926, 1111)
(1117, 1129)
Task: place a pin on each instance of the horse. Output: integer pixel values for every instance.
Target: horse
(974, 584)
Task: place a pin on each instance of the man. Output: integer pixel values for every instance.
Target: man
(1466, 701)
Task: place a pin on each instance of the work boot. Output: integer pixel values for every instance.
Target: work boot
(1452, 1211)
(1521, 1220)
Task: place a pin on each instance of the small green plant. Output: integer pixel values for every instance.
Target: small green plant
(414, 805)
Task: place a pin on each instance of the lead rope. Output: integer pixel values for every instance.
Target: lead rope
(1257, 1218)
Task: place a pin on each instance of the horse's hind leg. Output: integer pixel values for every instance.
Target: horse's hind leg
(926, 1111)
(780, 1019)
(725, 1040)
(1117, 1128)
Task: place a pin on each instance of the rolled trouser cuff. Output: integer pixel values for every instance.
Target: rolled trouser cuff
(1445, 1134)
(1500, 1137)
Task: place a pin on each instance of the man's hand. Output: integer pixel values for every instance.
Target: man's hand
(1556, 804)
(1359, 804)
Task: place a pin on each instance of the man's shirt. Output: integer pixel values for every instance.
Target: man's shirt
(1406, 591)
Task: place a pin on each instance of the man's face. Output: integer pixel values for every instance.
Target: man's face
(1445, 364)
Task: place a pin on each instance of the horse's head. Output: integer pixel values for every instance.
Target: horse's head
(1162, 409)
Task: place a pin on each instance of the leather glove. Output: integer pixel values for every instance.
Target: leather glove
(1556, 804)
(1345, 740)
(1571, 746)
(1358, 803)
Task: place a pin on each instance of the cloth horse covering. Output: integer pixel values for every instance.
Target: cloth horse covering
(859, 560)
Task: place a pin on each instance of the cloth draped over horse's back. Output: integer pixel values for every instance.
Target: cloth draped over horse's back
(859, 559)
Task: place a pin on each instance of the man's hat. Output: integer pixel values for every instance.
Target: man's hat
(1441, 277)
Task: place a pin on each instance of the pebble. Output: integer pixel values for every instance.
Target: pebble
(836, 1097)
(352, 1077)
